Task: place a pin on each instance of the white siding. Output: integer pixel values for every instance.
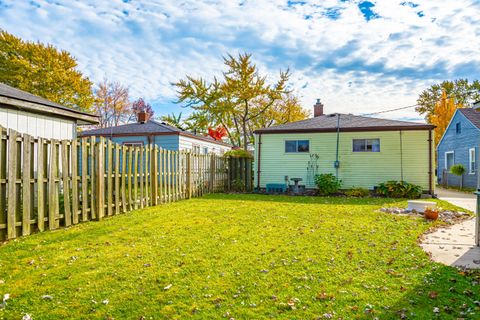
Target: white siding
(187, 143)
(37, 125)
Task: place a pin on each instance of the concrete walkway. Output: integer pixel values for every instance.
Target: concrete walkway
(455, 245)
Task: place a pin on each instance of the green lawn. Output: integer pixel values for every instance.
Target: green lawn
(236, 256)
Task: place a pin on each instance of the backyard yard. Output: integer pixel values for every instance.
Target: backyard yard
(236, 256)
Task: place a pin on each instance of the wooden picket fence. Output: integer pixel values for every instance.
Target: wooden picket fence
(46, 184)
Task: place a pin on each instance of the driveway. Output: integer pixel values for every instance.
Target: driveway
(455, 245)
(461, 199)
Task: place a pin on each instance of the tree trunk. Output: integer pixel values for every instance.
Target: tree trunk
(245, 134)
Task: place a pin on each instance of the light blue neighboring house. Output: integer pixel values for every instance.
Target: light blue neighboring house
(161, 134)
(459, 145)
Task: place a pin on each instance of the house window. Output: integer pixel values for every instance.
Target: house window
(449, 160)
(293, 146)
(205, 150)
(195, 148)
(366, 145)
(472, 164)
(458, 127)
(133, 143)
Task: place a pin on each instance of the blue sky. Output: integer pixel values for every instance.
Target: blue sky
(357, 56)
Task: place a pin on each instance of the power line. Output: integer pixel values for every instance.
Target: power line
(389, 110)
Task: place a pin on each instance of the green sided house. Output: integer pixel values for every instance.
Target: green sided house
(361, 151)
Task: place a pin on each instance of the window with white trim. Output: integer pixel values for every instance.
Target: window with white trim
(297, 146)
(449, 160)
(472, 163)
(366, 145)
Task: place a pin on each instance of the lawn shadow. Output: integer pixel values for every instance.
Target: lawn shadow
(469, 259)
(443, 293)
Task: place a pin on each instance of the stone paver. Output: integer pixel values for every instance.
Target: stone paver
(455, 245)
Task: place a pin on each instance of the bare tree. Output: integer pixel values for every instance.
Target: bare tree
(112, 103)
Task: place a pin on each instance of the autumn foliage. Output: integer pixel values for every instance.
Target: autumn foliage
(443, 113)
(217, 133)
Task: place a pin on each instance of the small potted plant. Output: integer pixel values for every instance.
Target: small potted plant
(431, 214)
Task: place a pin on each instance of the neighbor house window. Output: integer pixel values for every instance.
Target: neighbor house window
(133, 143)
(458, 127)
(205, 150)
(472, 161)
(366, 145)
(449, 160)
(292, 146)
(195, 148)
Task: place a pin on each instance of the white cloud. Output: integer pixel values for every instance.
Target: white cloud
(354, 65)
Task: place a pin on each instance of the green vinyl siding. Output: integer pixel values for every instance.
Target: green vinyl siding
(360, 169)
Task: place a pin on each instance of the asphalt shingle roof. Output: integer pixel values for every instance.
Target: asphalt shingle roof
(14, 93)
(348, 122)
(150, 127)
(472, 115)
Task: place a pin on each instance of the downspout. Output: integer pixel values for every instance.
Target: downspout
(258, 160)
(401, 156)
(337, 163)
(430, 188)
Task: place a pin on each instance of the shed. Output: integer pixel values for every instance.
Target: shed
(39, 117)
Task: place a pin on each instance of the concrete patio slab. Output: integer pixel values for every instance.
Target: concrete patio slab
(455, 245)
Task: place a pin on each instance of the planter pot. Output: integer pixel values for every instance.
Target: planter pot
(431, 214)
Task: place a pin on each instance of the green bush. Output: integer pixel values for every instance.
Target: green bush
(357, 192)
(458, 169)
(238, 153)
(399, 189)
(327, 184)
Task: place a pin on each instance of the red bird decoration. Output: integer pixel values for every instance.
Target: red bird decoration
(218, 133)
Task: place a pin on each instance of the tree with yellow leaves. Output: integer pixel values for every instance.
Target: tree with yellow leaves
(442, 114)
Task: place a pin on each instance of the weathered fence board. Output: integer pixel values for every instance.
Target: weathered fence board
(46, 183)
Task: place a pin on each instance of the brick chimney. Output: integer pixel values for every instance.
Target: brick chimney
(318, 109)
(142, 117)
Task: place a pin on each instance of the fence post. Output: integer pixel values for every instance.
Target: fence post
(84, 166)
(154, 174)
(212, 172)
(248, 174)
(124, 179)
(12, 188)
(189, 174)
(100, 179)
(67, 213)
(117, 179)
(74, 161)
(52, 187)
(109, 159)
(41, 161)
(26, 190)
(93, 187)
(3, 184)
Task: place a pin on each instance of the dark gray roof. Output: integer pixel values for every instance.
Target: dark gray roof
(11, 92)
(150, 127)
(348, 122)
(472, 115)
(23, 96)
